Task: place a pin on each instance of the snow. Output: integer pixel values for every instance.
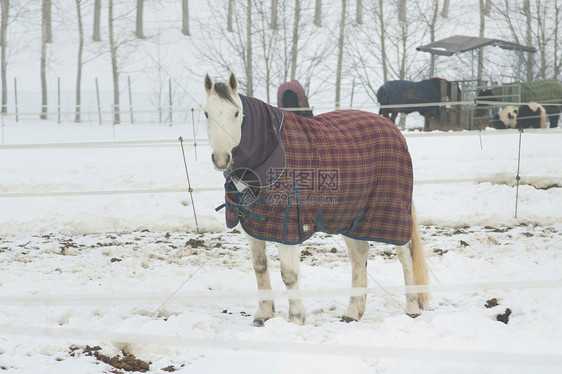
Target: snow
(83, 266)
(143, 246)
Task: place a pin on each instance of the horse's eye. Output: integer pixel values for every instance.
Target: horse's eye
(206, 114)
(236, 114)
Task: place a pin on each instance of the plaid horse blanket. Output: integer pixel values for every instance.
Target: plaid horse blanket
(547, 92)
(346, 172)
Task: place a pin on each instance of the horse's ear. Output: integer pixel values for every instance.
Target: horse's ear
(208, 83)
(233, 82)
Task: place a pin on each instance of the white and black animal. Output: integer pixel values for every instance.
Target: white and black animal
(525, 116)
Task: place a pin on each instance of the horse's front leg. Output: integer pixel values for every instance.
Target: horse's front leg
(358, 251)
(289, 257)
(266, 308)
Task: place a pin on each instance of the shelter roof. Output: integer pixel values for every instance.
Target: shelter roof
(460, 43)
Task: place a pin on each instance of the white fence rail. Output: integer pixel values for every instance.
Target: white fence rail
(534, 360)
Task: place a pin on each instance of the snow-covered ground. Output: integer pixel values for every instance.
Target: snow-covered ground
(96, 268)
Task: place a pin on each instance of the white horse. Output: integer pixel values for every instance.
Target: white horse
(224, 112)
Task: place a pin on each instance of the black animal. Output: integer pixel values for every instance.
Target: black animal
(400, 92)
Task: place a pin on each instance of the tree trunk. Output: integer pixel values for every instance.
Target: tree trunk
(488, 8)
(528, 39)
(359, 12)
(274, 6)
(44, 37)
(77, 117)
(445, 10)
(185, 17)
(481, 34)
(340, 54)
(383, 42)
(318, 13)
(113, 51)
(557, 57)
(295, 44)
(249, 72)
(402, 11)
(97, 14)
(541, 37)
(432, 36)
(229, 16)
(139, 29)
(48, 20)
(4, 46)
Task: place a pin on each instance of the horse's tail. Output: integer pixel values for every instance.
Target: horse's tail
(421, 273)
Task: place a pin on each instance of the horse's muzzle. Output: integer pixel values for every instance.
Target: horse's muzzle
(221, 161)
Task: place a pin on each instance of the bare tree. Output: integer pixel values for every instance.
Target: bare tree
(528, 38)
(97, 14)
(249, 73)
(445, 9)
(229, 15)
(77, 117)
(185, 17)
(359, 12)
(430, 17)
(383, 41)
(4, 46)
(271, 49)
(556, 40)
(139, 32)
(45, 17)
(295, 43)
(340, 52)
(534, 24)
(265, 42)
(402, 10)
(114, 67)
(386, 51)
(367, 49)
(318, 13)
(47, 7)
(274, 7)
(483, 6)
(488, 8)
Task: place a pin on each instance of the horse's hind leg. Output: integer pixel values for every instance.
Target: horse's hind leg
(289, 257)
(406, 258)
(358, 251)
(266, 308)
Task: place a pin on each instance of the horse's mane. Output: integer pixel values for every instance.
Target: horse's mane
(224, 92)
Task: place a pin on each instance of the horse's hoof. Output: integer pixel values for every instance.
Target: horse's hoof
(347, 319)
(413, 315)
(259, 322)
(297, 319)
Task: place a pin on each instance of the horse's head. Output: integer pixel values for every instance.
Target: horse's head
(506, 118)
(223, 110)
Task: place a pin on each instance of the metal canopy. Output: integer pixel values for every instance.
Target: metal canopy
(460, 43)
